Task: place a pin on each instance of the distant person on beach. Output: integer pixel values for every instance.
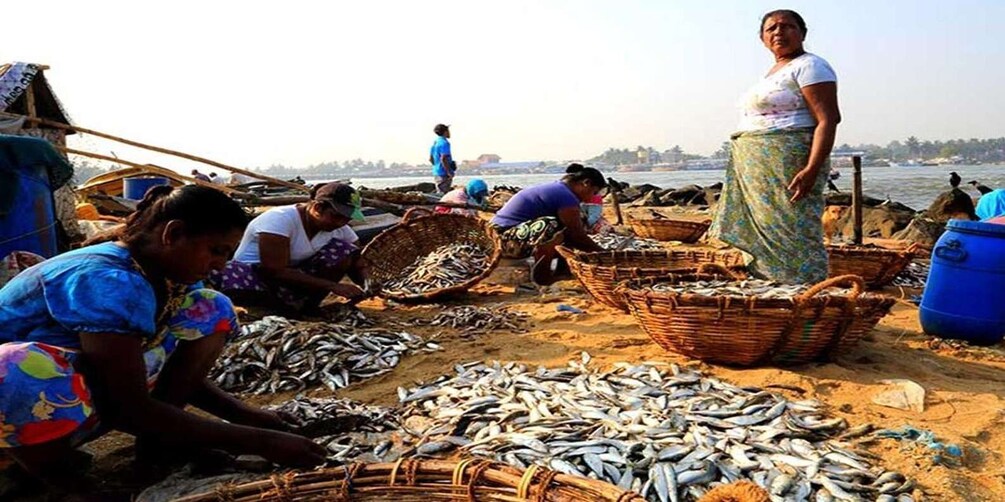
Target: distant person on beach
(440, 157)
(295, 255)
(991, 205)
(539, 218)
(472, 194)
(201, 177)
(121, 335)
(772, 201)
(216, 179)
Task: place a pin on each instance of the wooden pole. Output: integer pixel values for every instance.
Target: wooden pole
(856, 200)
(227, 190)
(29, 100)
(67, 127)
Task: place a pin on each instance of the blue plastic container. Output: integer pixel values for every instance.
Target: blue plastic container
(135, 188)
(965, 294)
(30, 223)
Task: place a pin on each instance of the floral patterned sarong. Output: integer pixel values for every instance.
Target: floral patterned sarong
(783, 240)
(43, 397)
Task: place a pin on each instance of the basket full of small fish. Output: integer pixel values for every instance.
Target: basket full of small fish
(878, 266)
(725, 320)
(616, 242)
(430, 257)
(600, 272)
(275, 354)
(667, 433)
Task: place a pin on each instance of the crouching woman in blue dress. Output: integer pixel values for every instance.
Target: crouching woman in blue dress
(121, 335)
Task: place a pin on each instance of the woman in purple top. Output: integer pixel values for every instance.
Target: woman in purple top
(539, 218)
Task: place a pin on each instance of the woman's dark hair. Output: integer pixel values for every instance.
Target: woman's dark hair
(203, 210)
(785, 12)
(576, 172)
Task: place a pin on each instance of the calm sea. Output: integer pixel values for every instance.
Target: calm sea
(914, 186)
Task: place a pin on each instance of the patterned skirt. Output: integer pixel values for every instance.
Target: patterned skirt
(519, 241)
(783, 241)
(240, 277)
(43, 397)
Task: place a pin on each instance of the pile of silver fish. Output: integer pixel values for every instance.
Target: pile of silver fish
(914, 275)
(352, 432)
(471, 320)
(614, 242)
(276, 354)
(448, 266)
(758, 288)
(668, 433)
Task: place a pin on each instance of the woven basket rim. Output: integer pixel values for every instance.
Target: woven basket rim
(855, 251)
(667, 222)
(589, 258)
(439, 220)
(636, 290)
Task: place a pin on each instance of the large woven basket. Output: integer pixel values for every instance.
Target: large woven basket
(877, 266)
(600, 272)
(670, 229)
(397, 247)
(421, 481)
(747, 331)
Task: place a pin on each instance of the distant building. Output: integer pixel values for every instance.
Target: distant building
(489, 158)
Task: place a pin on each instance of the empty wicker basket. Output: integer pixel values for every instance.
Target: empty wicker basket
(600, 272)
(749, 331)
(877, 266)
(396, 248)
(670, 229)
(421, 481)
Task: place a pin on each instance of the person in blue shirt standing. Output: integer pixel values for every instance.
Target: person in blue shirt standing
(443, 163)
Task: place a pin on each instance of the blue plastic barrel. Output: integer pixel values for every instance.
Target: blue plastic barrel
(965, 294)
(29, 222)
(135, 188)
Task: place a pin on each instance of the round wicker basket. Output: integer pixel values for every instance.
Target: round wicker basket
(877, 266)
(670, 229)
(600, 272)
(394, 249)
(748, 331)
(421, 481)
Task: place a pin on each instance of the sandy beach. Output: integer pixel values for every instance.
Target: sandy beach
(964, 387)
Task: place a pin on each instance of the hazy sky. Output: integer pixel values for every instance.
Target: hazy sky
(296, 82)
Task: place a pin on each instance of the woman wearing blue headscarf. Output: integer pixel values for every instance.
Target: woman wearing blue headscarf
(473, 194)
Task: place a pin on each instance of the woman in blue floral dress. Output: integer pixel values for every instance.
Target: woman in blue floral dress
(772, 200)
(121, 335)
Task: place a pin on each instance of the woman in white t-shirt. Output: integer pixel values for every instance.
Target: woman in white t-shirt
(772, 200)
(298, 254)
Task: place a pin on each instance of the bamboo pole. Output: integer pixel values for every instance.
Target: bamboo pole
(856, 200)
(67, 127)
(227, 190)
(29, 100)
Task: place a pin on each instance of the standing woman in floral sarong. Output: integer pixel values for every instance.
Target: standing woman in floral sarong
(122, 335)
(772, 201)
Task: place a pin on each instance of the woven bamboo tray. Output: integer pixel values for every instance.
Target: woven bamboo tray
(745, 331)
(394, 249)
(877, 266)
(421, 481)
(600, 272)
(670, 229)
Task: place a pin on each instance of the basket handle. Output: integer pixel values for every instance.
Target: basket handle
(856, 283)
(415, 212)
(715, 268)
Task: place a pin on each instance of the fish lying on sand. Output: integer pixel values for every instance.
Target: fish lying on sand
(668, 433)
(472, 320)
(276, 354)
(448, 266)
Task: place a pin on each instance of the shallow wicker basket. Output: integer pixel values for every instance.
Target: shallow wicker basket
(744, 331)
(877, 266)
(421, 481)
(600, 272)
(670, 229)
(394, 249)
